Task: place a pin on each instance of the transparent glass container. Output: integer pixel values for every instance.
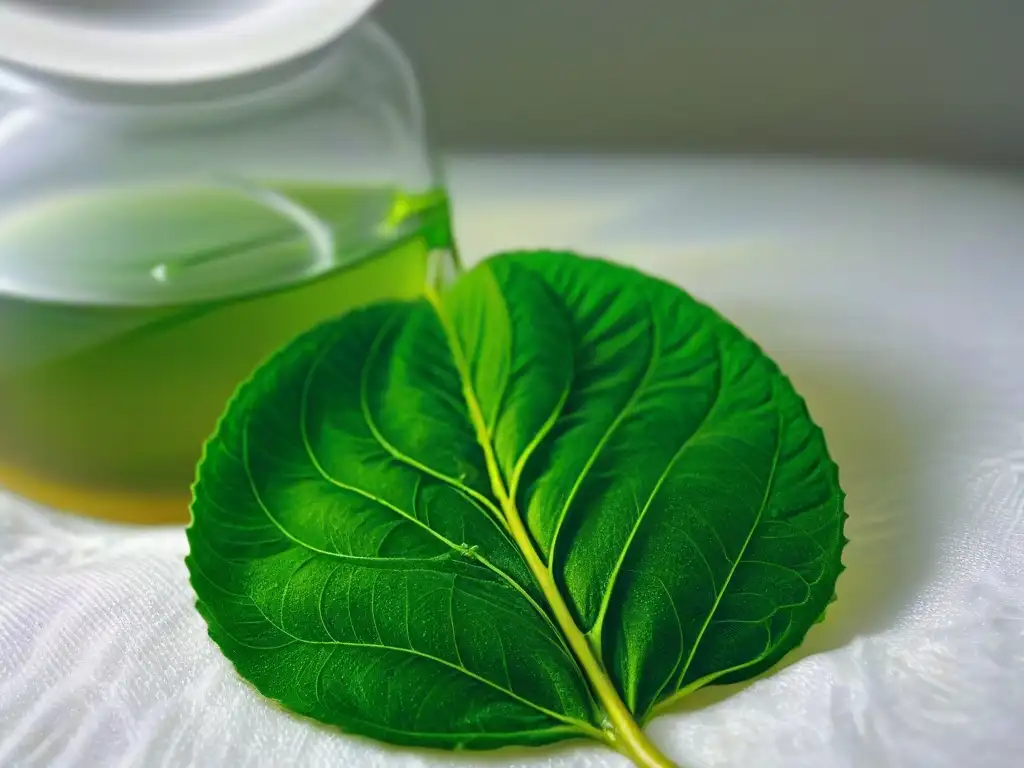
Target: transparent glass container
(158, 240)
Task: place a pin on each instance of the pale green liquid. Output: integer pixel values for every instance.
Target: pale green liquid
(106, 400)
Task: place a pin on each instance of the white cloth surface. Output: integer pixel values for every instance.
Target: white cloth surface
(893, 296)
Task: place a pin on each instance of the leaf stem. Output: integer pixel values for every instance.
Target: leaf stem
(622, 733)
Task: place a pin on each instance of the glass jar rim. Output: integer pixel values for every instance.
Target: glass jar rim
(171, 104)
(274, 33)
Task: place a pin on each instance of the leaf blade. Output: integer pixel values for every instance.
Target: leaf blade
(554, 447)
(272, 604)
(735, 406)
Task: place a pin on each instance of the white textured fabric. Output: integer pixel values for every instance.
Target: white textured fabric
(894, 298)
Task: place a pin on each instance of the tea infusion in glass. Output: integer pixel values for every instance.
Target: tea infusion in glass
(157, 243)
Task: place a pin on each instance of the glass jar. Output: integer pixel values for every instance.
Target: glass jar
(159, 239)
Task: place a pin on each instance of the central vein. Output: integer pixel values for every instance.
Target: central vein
(622, 732)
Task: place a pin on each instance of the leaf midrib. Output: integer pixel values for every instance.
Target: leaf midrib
(587, 727)
(392, 450)
(556, 636)
(469, 493)
(458, 550)
(622, 730)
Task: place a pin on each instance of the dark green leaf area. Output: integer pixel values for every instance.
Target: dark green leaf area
(410, 514)
(355, 588)
(418, 654)
(685, 498)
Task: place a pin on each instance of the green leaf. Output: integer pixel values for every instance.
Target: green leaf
(544, 504)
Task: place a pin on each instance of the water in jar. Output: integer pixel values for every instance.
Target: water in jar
(129, 316)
